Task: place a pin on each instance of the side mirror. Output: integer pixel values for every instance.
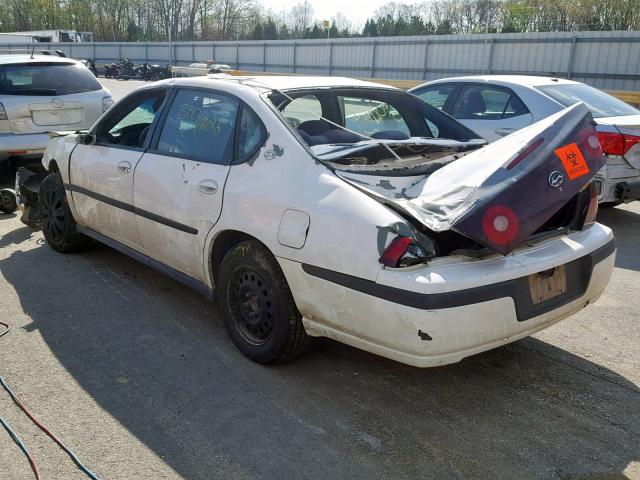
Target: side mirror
(86, 139)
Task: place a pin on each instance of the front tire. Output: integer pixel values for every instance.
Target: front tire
(259, 312)
(58, 226)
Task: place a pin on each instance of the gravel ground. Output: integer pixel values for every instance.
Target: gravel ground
(136, 373)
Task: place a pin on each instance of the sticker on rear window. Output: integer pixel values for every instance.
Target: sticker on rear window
(573, 161)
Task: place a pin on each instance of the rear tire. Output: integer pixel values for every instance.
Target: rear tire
(8, 201)
(58, 226)
(259, 312)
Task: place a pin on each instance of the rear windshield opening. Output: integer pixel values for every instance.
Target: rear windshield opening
(46, 79)
(330, 120)
(600, 103)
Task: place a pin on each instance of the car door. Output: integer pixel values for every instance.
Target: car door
(491, 111)
(179, 183)
(101, 174)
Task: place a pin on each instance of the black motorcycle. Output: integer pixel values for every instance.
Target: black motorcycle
(158, 72)
(112, 70)
(90, 63)
(127, 70)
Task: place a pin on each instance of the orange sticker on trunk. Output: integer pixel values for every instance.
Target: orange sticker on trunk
(573, 161)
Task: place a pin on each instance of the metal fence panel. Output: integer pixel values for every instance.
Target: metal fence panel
(609, 60)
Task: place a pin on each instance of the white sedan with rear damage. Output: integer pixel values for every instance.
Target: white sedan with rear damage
(339, 208)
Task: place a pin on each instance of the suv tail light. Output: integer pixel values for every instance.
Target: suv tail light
(616, 143)
(403, 252)
(3, 113)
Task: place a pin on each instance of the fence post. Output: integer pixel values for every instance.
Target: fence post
(295, 46)
(193, 53)
(146, 52)
(490, 56)
(93, 50)
(426, 56)
(119, 51)
(330, 58)
(571, 55)
(264, 56)
(373, 58)
(213, 53)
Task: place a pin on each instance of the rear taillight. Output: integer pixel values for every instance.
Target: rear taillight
(3, 113)
(107, 102)
(616, 143)
(500, 224)
(403, 252)
(592, 210)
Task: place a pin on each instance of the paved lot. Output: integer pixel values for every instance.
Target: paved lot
(136, 373)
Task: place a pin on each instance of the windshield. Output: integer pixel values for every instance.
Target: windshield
(46, 79)
(331, 118)
(600, 103)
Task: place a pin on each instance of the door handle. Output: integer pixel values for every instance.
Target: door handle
(504, 131)
(124, 167)
(208, 187)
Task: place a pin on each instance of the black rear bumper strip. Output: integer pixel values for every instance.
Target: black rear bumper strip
(578, 275)
(130, 208)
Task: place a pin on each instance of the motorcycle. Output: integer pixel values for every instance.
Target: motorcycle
(158, 72)
(90, 63)
(127, 70)
(112, 70)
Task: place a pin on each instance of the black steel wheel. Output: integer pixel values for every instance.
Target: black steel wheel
(8, 201)
(58, 226)
(259, 312)
(251, 302)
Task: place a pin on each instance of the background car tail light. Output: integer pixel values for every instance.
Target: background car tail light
(592, 210)
(403, 252)
(3, 113)
(616, 143)
(107, 102)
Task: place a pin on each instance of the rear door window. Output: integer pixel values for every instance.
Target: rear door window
(436, 95)
(200, 126)
(481, 102)
(251, 135)
(47, 79)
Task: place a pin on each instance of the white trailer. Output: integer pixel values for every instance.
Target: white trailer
(54, 36)
(16, 38)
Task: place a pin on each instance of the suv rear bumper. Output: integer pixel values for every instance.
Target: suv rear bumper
(23, 145)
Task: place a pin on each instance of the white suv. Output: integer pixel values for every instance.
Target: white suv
(40, 93)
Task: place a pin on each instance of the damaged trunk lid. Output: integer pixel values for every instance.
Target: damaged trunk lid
(498, 195)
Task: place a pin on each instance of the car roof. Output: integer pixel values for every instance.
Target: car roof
(265, 83)
(11, 59)
(507, 80)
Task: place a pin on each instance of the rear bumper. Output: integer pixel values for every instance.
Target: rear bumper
(617, 182)
(24, 145)
(439, 321)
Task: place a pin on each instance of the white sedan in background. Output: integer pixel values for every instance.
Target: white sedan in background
(339, 208)
(497, 105)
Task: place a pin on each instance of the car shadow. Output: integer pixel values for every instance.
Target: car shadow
(625, 225)
(17, 236)
(155, 356)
